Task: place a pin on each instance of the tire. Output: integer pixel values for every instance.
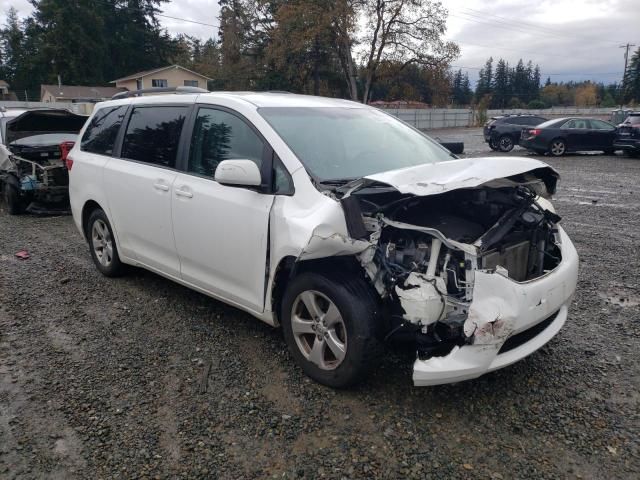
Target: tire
(557, 147)
(102, 245)
(12, 200)
(505, 143)
(493, 145)
(609, 151)
(347, 321)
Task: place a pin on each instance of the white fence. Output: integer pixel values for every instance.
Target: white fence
(80, 108)
(434, 118)
(431, 118)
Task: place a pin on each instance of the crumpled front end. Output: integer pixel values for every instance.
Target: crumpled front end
(477, 277)
(507, 320)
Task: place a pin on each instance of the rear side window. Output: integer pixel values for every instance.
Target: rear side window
(633, 120)
(153, 135)
(218, 136)
(600, 125)
(100, 135)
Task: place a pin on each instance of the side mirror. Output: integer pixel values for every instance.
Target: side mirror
(243, 173)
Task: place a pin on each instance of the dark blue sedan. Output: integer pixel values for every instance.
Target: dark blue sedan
(565, 135)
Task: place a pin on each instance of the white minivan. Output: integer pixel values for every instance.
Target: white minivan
(332, 219)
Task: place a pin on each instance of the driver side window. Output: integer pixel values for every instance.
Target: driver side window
(219, 135)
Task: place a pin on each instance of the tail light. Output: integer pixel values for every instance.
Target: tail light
(535, 131)
(65, 148)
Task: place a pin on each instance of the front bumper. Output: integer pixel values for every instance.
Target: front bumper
(629, 144)
(527, 315)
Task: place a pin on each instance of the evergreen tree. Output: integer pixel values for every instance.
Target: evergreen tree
(501, 85)
(485, 80)
(632, 79)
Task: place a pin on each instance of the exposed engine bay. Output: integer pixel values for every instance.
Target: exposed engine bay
(33, 159)
(427, 249)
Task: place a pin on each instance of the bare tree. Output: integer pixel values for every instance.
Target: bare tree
(397, 31)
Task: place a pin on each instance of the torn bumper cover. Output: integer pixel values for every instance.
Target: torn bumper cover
(507, 321)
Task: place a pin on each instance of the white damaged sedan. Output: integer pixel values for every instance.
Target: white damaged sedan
(334, 220)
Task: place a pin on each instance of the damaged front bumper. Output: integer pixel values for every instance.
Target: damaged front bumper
(507, 321)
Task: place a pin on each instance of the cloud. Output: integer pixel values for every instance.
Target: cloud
(570, 40)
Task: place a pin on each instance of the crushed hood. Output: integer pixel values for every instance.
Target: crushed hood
(435, 178)
(37, 122)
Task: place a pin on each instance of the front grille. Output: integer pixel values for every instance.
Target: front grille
(514, 341)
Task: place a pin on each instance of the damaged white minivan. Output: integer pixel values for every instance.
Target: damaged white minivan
(330, 218)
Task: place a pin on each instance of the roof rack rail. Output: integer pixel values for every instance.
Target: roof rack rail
(137, 93)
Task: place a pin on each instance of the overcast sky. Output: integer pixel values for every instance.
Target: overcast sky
(569, 39)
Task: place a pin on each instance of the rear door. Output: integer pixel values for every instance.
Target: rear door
(603, 134)
(222, 232)
(139, 185)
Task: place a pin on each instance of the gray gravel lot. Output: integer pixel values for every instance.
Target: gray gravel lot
(102, 378)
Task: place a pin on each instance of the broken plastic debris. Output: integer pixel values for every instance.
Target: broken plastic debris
(22, 254)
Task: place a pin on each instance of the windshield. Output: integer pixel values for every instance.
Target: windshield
(339, 143)
(45, 139)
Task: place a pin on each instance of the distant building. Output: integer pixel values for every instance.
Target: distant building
(170, 76)
(76, 93)
(5, 92)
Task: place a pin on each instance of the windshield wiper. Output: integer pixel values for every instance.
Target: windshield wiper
(336, 182)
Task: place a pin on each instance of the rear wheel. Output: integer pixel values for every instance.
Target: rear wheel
(609, 151)
(557, 147)
(505, 143)
(103, 246)
(330, 326)
(12, 199)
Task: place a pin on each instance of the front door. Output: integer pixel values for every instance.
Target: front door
(578, 135)
(222, 232)
(139, 186)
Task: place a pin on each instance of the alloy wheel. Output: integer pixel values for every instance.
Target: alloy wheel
(319, 329)
(557, 148)
(102, 242)
(505, 144)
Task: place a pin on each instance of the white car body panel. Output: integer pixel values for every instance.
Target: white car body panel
(435, 178)
(504, 307)
(216, 239)
(221, 236)
(139, 199)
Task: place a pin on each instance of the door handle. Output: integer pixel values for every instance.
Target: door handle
(161, 186)
(184, 193)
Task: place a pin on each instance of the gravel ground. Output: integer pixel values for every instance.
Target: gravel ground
(103, 378)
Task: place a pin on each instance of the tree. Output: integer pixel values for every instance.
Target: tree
(586, 95)
(485, 80)
(501, 85)
(11, 46)
(302, 46)
(461, 93)
(632, 79)
(403, 31)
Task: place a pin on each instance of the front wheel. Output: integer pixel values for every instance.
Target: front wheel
(557, 148)
(330, 325)
(505, 143)
(12, 200)
(609, 151)
(493, 145)
(103, 245)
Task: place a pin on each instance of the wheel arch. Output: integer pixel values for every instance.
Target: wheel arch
(87, 209)
(288, 268)
(558, 137)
